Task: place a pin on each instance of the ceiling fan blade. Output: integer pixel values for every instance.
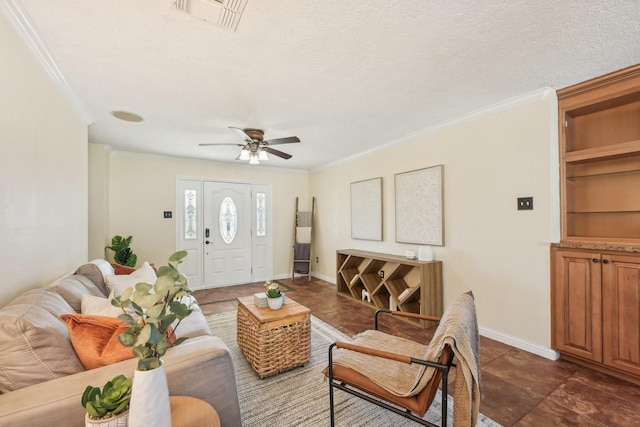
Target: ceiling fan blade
(287, 140)
(221, 143)
(241, 133)
(277, 153)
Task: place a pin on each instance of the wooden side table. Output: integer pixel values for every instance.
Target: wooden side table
(274, 341)
(191, 412)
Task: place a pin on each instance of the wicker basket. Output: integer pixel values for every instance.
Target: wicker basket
(274, 347)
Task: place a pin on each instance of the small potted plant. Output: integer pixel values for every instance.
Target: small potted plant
(122, 252)
(109, 406)
(274, 296)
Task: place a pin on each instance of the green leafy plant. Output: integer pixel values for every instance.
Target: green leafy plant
(123, 254)
(112, 400)
(272, 290)
(158, 306)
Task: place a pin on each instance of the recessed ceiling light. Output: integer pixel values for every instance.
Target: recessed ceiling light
(126, 116)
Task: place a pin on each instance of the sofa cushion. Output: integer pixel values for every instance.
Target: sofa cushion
(34, 341)
(95, 339)
(194, 325)
(73, 288)
(96, 271)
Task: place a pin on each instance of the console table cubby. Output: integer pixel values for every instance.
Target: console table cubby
(412, 286)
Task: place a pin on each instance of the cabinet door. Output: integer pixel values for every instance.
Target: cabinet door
(576, 293)
(621, 312)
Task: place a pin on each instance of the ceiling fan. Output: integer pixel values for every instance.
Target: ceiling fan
(255, 148)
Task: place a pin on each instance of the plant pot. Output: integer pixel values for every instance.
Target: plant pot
(275, 303)
(119, 420)
(150, 399)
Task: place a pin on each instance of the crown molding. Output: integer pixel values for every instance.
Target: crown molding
(19, 19)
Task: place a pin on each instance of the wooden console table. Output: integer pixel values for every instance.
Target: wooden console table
(391, 281)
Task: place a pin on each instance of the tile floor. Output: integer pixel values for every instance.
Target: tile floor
(520, 389)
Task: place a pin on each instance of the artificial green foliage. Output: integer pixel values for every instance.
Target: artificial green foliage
(158, 306)
(122, 252)
(110, 401)
(272, 290)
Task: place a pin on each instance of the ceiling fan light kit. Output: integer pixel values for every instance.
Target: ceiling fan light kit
(255, 148)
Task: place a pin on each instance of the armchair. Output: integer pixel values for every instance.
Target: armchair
(406, 380)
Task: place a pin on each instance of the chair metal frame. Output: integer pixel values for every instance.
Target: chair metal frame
(443, 368)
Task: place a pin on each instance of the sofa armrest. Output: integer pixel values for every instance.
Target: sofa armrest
(200, 367)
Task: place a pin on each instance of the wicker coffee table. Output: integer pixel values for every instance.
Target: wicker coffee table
(274, 341)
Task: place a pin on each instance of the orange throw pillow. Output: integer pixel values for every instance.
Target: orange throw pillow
(95, 339)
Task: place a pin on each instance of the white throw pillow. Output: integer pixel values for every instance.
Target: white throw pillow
(146, 273)
(98, 306)
(119, 283)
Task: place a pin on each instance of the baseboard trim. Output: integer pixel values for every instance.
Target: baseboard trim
(536, 349)
(318, 276)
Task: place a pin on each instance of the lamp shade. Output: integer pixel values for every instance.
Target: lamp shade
(244, 154)
(254, 159)
(262, 155)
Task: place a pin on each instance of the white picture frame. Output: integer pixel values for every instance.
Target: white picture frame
(366, 209)
(419, 212)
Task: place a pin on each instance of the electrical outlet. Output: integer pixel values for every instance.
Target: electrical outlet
(381, 273)
(317, 260)
(525, 203)
(167, 214)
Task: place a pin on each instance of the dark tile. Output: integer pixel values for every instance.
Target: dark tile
(531, 372)
(504, 401)
(548, 413)
(596, 403)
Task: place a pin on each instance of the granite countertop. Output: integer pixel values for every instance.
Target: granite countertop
(596, 247)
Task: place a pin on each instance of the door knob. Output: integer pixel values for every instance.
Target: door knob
(206, 242)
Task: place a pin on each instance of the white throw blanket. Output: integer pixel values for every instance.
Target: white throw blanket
(458, 328)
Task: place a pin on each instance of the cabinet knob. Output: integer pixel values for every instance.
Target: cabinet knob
(595, 260)
(605, 261)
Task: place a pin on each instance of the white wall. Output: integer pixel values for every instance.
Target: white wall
(43, 179)
(491, 248)
(140, 187)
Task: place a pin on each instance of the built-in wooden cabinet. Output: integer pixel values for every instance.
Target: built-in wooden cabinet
(596, 309)
(391, 281)
(595, 277)
(577, 303)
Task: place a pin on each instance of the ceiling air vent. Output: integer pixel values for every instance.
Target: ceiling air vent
(225, 13)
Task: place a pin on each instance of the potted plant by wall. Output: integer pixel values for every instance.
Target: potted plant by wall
(275, 297)
(158, 306)
(109, 406)
(123, 254)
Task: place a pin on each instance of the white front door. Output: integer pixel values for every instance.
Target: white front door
(227, 238)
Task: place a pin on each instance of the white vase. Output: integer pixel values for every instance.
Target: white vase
(275, 303)
(150, 399)
(117, 421)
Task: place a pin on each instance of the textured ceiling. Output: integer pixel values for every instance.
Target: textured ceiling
(343, 76)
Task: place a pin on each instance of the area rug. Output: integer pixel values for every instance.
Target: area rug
(300, 397)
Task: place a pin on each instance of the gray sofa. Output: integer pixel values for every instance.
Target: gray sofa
(42, 379)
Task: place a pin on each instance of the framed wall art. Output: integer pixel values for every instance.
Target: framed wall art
(366, 209)
(419, 206)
